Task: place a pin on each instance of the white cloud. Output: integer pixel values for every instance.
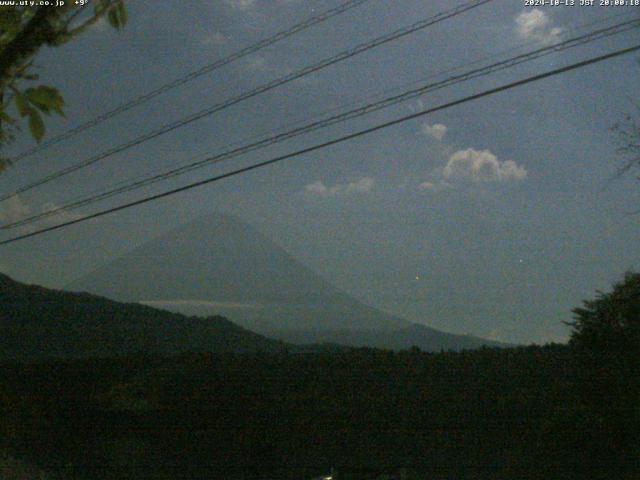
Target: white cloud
(240, 4)
(535, 25)
(13, 209)
(510, 170)
(198, 303)
(214, 39)
(437, 131)
(317, 188)
(481, 166)
(364, 185)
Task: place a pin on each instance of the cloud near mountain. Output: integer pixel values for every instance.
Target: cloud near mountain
(481, 166)
(535, 25)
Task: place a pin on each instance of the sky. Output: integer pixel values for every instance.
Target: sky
(493, 218)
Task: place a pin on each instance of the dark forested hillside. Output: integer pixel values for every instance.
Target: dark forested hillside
(199, 398)
(38, 323)
(524, 413)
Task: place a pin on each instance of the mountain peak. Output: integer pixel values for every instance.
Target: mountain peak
(216, 259)
(218, 264)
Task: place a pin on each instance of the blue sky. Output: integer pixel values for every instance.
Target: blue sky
(493, 218)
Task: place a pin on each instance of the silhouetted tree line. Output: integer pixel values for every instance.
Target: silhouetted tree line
(539, 412)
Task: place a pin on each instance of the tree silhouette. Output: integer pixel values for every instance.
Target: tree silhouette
(24, 30)
(628, 136)
(611, 322)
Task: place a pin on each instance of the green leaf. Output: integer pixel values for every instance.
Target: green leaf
(117, 15)
(10, 17)
(36, 125)
(101, 6)
(10, 23)
(22, 104)
(45, 99)
(123, 13)
(6, 118)
(112, 16)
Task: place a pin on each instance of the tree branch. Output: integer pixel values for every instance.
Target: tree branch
(37, 32)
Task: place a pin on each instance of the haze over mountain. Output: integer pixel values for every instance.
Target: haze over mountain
(220, 265)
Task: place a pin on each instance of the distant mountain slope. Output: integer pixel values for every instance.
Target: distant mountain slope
(218, 264)
(37, 323)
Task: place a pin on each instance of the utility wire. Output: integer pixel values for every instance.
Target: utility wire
(363, 110)
(335, 119)
(257, 91)
(305, 24)
(334, 141)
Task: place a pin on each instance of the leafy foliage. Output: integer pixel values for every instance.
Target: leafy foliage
(116, 13)
(628, 135)
(33, 101)
(606, 338)
(611, 322)
(23, 31)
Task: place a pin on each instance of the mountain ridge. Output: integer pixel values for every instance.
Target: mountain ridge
(38, 323)
(219, 264)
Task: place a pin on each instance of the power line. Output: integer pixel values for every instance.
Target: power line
(257, 91)
(357, 112)
(305, 24)
(583, 39)
(335, 141)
